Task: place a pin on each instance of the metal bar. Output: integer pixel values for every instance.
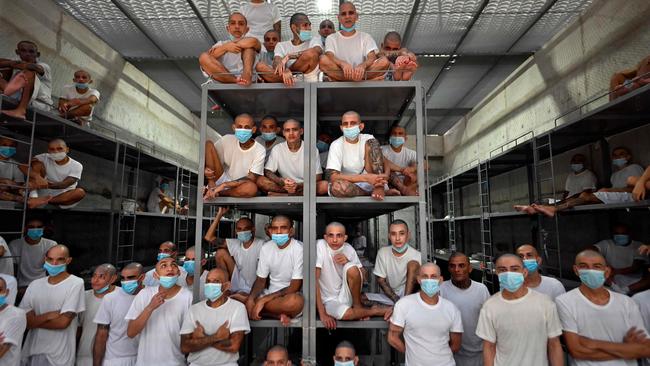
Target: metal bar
(408, 31)
(421, 208)
(309, 224)
(202, 20)
(198, 228)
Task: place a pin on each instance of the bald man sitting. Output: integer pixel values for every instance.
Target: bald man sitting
(78, 100)
(213, 330)
(402, 162)
(281, 263)
(284, 171)
(232, 61)
(350, 53)
(234, 162)
(355, 164)
(339, 280)
(549, 286)
(52, 304)
(403, 63)
(102, 284)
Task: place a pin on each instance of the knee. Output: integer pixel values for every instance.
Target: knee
(631, 181)
(248, 189)
(413, 266)
(222, 254)
(352, 272)
(311, 54)
(295, 302)
(80, 193)
(324, 62)
(262, 182)
(204, 58)
(382, 63)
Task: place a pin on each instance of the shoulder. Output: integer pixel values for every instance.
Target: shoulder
(296, 243)
(235, 305)
(74, 280)
(478, 286)
(75, 163)
(384, 251)
(414, 253)
(623, 299)
(365, 137)
(259, 148)
(321, 243)
(339, 141)
(15, 312)
(552, 281)
(642, 297)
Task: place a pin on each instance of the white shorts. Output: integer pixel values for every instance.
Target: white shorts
(609, 198)
(238, 283)
(367, 187)
(337, 307)
(84, 361)
(122, 361)
(53, 193)
(224, 178)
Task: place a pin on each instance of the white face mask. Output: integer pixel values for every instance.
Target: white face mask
(57, 156)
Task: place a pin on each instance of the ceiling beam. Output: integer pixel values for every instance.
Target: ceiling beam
(409, 30)
(202, 20)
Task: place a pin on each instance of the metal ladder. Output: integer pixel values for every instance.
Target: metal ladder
(548, 228)
(126, 221)
(182, 233)
(17, 230)
(486, 224)
(451, 213)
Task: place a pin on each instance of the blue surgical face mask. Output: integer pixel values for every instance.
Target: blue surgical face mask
(396, 141)
(344, 363)
(619, 162)
(511, 281)
(430, 286)
(168, 281)
(621, 239)
(212, 291)
(130, 286)
(3, 299)
(162, 256)
(164, 186)
(7, 151)
(592, 278)
(243, 134)
(305, 35)
(103, 289)
(531, 265)
(401, 249)
(351, 133)
(269, 136)
(344, 28)
(244, 236)
(188, 266)
(81, 86)
(35, 233)
(53, 270)
(322, 146)
(577, 168)
(280, 239)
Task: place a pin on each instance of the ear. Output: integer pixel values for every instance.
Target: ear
(525, 273)
(38, 54)
(302, 131)
(204, 262)
(539, 260)
(155, 275)
(277, 130)
(345, 238)
(254, 129)
(141, 277)
(356, 360)
(575, 270)
(233, 127)
(608, 272)
(225, 286)
(361, 126)
(292, 232)
(68, 261)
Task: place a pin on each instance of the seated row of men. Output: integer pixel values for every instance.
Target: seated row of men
(346, 55)
(30, 82)
(441, 323)
(356, 165)
(53, 176)
(629, 183)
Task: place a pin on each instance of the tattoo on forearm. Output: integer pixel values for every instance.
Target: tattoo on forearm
(386, 288)
(327, 175)
(376, 157)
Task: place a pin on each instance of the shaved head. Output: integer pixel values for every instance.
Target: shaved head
(59, 249)
(291, 121)
(591, 254)
(346, 4)
(509, 256)
(133, 266)
(237, 14)
(429, 266)
(352, 114)
(106, 268)
(393, 36)
(219, 274)
(58, 142)
(455, 255)
(282, 217)
(335, 224)
(527, 248)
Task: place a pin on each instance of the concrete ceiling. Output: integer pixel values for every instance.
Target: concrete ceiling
(467, 47)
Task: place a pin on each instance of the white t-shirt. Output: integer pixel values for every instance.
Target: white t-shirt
(520, 328)
(245, 259)
(331, 275)
(67, 296)
(6, 261)
(353, 49)
(88, 328)
(153, 203)
(469, 302)
(550, 287)
(393, 268)
(287, 47)
(233, 312)
(238, 162)
(112, 311)
(619, 178)
(576, 183)
(151, 281)
(32, 257)
(289, 164)
(9, 170)
(618, 256)
(160, 340)
(404, 158)
(280, 265)
(12, 286)
(347, 158)
(260, 18)
(12, 325)
(426, 329)
(43, 86)
(606, 323)
(231, 61)
(57, 173)
(261, 141)
(70, 92)
(643, 300)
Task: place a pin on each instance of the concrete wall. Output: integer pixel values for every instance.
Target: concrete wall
(573, 67)
(129, 99)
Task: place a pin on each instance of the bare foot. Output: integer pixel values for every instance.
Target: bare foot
(393, 192)
(38, 201)
(14, 113)
(378, 193)
(210, 193)
(544, 209)
(285, 320)
(525, 208)
(245, 79)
